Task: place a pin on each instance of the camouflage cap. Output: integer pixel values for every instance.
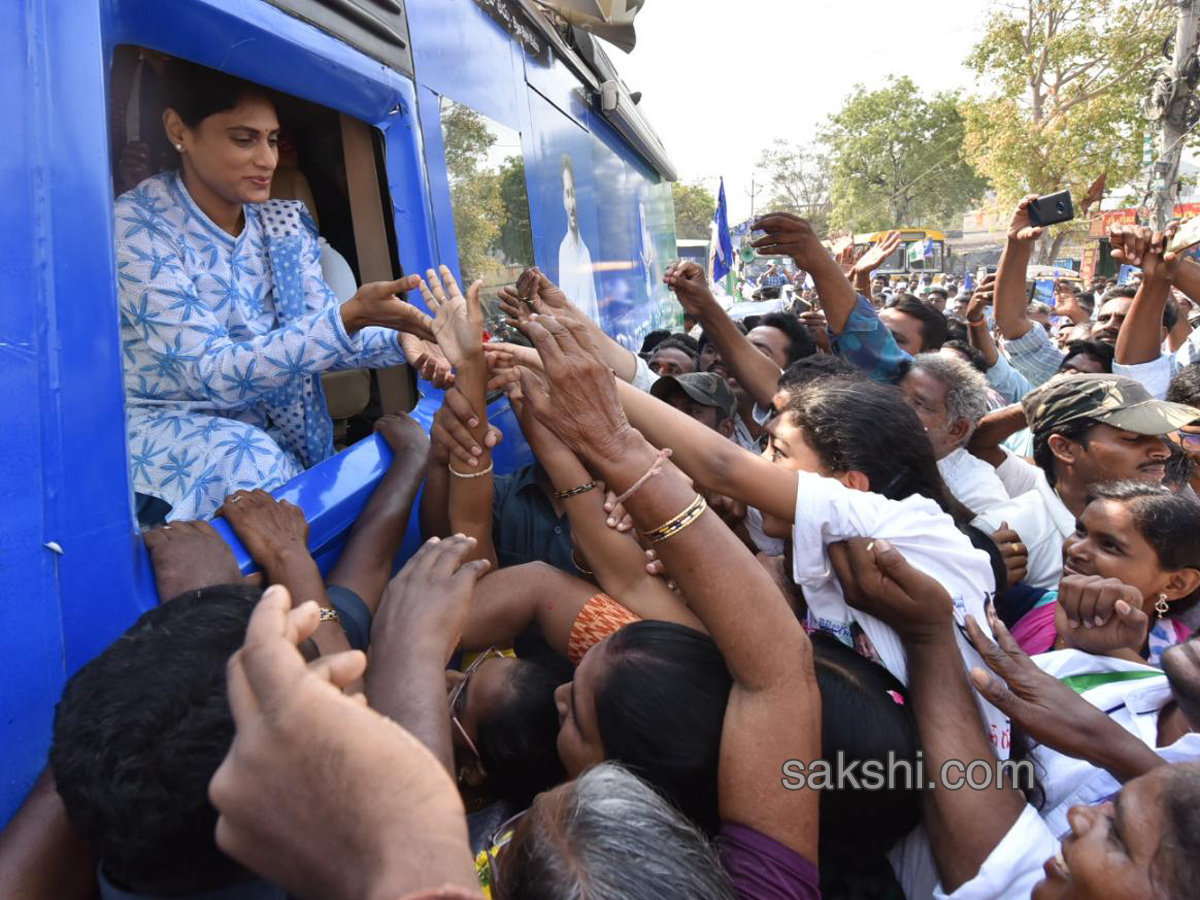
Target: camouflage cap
(707, 388)
(1120, 402)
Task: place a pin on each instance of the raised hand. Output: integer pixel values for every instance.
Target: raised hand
(874, 257)
(690, 285)
(187, 556)
(981, 298)
(432, 595)
(428, 361)
(534, 293)
(289, 717)
(580, 403)
(1015, 553)
(451, 430)
(1046, 709)
(789, 235)
(1100, 615)
(1021, 228)
(458, 320)
(878, 580)
(378, 304)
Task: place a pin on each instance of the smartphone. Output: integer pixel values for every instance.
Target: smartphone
(1188, 235)
(1051, 209)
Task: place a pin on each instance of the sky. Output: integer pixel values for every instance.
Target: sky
(720, 79)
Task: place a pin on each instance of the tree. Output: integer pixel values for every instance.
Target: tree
(897, 159)
(694, 209)
(798, 179)
(1069, 75)
(475, 193)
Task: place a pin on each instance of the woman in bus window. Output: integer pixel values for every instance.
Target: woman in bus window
(226, 322)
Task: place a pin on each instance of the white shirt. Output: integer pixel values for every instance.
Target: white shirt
(1017, 476)
(972, 481)
(827, 511)
(1015, 865)
(575, 276)
(1043, 522)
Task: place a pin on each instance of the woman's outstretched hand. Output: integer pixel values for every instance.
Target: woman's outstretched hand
(458, 320)
(579, 402)
(379, 303)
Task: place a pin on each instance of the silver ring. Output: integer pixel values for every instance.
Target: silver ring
(235, 498)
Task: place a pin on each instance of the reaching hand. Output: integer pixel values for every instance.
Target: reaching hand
(1138, 245)
(1045, 708)
(1021, 228)
(451, 429)
(1100, 615)
(187, 556)
(378, 304)
(874, 258)
(268, 528)
(535, 293)
(458, 321)
(981, 298)
(428, 361)
(789, 235)
(581, 404)
(878, 580)
(291, 719)
(433, 593)
(687, 280)
(1015, 553)
(814, 321)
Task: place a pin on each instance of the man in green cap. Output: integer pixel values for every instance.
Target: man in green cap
(1087, 430)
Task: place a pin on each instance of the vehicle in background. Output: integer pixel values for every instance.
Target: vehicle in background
(693, 250)
(399, 117)
(922, 252)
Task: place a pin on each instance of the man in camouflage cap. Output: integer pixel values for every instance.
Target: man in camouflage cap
(1087, 430)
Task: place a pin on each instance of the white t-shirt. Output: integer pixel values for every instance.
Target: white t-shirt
(1017, 476)
(1015, 865)
(972, 481)
(575, 276)
(827, 512)
(1043, 522)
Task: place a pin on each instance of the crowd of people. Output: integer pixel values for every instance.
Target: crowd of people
(936, 537)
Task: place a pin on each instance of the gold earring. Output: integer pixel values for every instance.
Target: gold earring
(1162, 607)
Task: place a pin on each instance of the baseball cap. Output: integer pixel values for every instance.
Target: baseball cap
(706, 388)
(1120, 402)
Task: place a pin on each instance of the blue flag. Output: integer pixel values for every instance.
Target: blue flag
(723, 257)
(968, 283)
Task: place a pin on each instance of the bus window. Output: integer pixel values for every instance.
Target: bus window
(332, 164)
(486, 170)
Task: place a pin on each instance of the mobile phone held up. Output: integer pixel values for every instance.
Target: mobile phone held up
(1051, 209)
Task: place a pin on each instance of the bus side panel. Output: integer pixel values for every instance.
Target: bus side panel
(67, 584)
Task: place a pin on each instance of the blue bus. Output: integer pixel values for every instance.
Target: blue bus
(396, 110)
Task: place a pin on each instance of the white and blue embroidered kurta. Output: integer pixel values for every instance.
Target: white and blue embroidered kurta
(224, 339)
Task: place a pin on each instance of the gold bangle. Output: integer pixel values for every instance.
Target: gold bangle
(487, 471)
(329, 615)
(673, 526)
(575, 491)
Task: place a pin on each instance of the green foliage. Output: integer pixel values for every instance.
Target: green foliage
(798, 181)
(1068, 77)
(491, 207)
(694, 209)
(897, 159)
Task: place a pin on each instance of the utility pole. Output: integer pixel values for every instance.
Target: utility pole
(753, 192)
(1178, 117)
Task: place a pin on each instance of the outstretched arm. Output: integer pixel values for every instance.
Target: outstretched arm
(774, 707)
(872, 260)
(789, 235)
(1012, 303)
(754, 370)
(1140, 338)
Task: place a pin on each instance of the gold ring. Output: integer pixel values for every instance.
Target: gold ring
(1015, 547)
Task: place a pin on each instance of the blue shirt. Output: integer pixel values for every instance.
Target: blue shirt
(867, 344)
(525, 527)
